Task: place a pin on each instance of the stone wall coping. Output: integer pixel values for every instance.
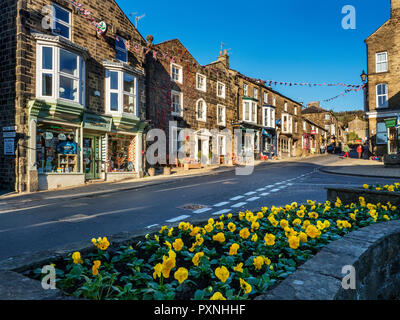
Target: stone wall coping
(320, 278)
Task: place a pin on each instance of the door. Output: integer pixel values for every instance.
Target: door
(91, 157)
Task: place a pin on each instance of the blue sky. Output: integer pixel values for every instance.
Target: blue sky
(285, 40)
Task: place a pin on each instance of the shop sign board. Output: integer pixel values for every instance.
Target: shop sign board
(9, 134)
(96, 122)
(13, 128)
(9, 147)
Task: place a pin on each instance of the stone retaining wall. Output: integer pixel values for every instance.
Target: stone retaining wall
(374, 252)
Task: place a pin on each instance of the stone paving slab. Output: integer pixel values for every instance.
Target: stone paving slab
(14, 286)
(363, 168)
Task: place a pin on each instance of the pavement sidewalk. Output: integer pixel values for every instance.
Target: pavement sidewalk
(362, 168)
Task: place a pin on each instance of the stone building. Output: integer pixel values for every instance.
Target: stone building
(382, 107)
(73, 94)
(274, 118)
(359, 127)
(182, 94)
(314, 137)
(327, 120)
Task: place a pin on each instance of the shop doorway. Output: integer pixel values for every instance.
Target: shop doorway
(91, 157)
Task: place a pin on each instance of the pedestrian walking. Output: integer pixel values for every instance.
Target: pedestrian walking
(365, 154)
(359, 151)
(346, 150)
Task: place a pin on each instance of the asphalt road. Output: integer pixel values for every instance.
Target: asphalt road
(67, 221)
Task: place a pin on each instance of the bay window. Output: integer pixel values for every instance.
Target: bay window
(121, 89)
(60, 74)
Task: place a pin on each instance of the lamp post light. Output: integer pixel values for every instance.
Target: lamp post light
(363, 76)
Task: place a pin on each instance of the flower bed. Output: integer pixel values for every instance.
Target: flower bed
(232, 257)
(379, 187)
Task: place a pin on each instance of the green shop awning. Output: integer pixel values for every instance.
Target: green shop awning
(97, 122)
(391, 123)
(128, 124)
(56, 111)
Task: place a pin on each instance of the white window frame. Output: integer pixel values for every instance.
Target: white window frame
(382, 95)
(174, 112)
(304, 126)
(252, 115)
(121, 93)
(124, 50)
(223, 139)
(54, 20)
(327, 117)
(268, 117)
(265, 97)
(245, 89)
(289, 126)
(202, 88)
(223, 90)
(274, 101)
(223, 122)
(56, 73)
(295, 110)
(382, 66)
(255, 93)
(381, 136)
(285, 107)
(180, 75)
(204, 118)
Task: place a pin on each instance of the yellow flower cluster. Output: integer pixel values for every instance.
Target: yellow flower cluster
(100, 243)
(76, 257)
(95, 267)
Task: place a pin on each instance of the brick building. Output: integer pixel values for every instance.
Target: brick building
(383, 87)
(74, 94)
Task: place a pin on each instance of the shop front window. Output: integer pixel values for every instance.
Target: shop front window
(121, 153)
(57, 149)
(394, 140)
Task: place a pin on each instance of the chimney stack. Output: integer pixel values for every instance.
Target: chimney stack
(224, 58)
(395, 8)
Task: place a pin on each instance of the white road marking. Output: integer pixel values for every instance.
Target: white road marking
(221, 212)
(264, 194)
(237, 205)
(250, 193)
(152, 226)
(270, 186)
(202, 210)
(261, 189)
(253, 199)
(236, 198)
(290, 184)
(180, 218)
(275, 190)
(221, 204)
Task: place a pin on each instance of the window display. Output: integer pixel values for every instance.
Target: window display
(394, 140)
(121, 153)
(56, 149)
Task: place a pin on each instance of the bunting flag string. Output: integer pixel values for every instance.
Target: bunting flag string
(344, 93)
(156, 53)
(101, 27)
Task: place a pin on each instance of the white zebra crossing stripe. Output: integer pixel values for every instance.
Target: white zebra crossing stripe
(237, 205)
(180, 218)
